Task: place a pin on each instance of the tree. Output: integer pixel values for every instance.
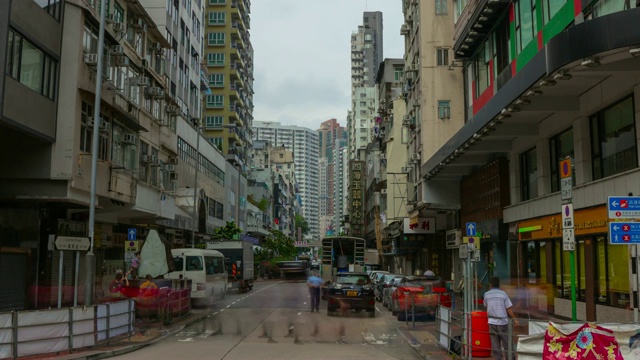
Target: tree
(301, 222)
(279, 245)
(229, 231)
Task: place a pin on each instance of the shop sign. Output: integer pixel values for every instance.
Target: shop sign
(356, 198)
(423, 226)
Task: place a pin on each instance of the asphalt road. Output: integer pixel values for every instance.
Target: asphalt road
(273, 321)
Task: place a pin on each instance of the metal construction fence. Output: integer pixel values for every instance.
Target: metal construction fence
(25, 333)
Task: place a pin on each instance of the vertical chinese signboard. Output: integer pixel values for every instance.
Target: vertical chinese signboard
(356, 203)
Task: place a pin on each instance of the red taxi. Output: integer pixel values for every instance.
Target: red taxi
(419, 295)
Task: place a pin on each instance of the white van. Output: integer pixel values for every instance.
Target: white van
(207, 272)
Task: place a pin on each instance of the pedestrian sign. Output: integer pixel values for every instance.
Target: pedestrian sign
(624, 233)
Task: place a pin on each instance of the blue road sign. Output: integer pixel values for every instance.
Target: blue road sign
(623, 206)
(471, 229)
(624, 233)
(132, 234)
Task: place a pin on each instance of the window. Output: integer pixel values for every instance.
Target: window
(31, 66)
(216, 141)
(52, 7)
(612, 286)
(85, 128)
(216, 80)
(217, 18)
(123, 153)
(441, 7)
(194, 263)
(213, 121)
(217, 2)
(215, 101)
(560, 146)
(525, 23)
(118, 13)
(143, 166)
(443, 56)
(481, 64)
(215, 38)
(613, 140)
(215, 59)
(550, 8)
(397, 74)
(460, 5)
(528, 175)
(444, 109)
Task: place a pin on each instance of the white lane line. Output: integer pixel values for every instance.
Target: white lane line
(221, 310)
(215, 313)
(299, 313)
(305, 303)
(378, 309)
(228, 306)
(233, 302)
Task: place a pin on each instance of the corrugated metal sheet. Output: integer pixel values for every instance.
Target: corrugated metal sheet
(13, 281)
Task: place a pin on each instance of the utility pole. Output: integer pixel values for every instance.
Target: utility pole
(90, 259)
(195, 186)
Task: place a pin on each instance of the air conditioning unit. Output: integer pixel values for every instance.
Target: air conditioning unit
(383, 191)
(129, 139)
(383, 156)
(91, 59)
(156, 46)
(150, 159)
(138, 23)
(406, 169)
(173, 160)
(117, 50)
(110, 18)
(173, 176)
(390, 112)
(90, 121)
(155, 92)
(172, 109)
(404, 29)
(383, 132)
(104, 127)
(122, 61)
(170, 167)
(140, 81)
(409, 18)
(119, 28)
(415, 157)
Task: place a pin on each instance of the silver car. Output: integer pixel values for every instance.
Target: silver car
(388, 290)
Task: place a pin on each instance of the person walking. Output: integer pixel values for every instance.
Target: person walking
(135, 264)
(314, 282)
(499, 311)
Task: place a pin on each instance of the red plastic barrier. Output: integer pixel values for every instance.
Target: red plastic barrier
(480, 337)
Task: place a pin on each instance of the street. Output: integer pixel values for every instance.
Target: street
(273, 321)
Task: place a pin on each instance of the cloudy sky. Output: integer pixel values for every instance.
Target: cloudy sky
(302, 56)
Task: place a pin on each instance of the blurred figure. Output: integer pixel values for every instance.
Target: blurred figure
(135, 264)
(117, 285)
(313, 282)
(429, 273)
(499, 310)
(148, 285)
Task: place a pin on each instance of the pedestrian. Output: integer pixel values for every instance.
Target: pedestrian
(135, 264)
(429, 273)
(499, 311)
(314, 282)
(118, 284)
(147, 287)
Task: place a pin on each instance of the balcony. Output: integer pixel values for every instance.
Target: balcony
(474, 24)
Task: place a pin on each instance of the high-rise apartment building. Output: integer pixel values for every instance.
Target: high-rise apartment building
(303, 142)
(366, 56)
(340, 182)
(228, 109)
(330, 133)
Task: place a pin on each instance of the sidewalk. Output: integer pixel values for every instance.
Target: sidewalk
(423, 337)
(145, 333)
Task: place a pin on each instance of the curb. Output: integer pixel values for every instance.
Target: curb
(413, 342)
(131, 348)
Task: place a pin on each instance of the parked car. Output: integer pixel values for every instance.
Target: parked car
(423, 293)
(350, 291)
(376, 273)
(381, 284)
(389, 290)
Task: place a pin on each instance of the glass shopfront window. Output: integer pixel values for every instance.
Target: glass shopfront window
(612, 271)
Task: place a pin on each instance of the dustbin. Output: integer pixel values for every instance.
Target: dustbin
(480, 337)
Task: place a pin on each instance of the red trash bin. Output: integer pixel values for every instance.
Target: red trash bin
(480, 337)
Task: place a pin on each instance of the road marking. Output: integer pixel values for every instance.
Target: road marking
(221, 310)
(187, 340)
(304, 303)
(299, 313)
(228, 306)
(378, 309)
(232, 303)
(206, 334)
(215, 313)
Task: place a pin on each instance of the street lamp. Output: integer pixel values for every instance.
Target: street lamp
(198, 128)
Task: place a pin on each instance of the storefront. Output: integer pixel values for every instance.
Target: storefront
(601, 269)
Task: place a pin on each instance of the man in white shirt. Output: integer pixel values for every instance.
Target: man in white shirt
(499, 310)
(429, 273)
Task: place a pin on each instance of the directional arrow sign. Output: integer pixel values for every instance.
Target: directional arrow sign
(471, 229)
(132, 234)
(72, 243)
(623, 207)
(624, 233)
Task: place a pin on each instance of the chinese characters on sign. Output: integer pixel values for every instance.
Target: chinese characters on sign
(423, 226)
(356, 203)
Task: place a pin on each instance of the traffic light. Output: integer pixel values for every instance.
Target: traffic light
(276, 221)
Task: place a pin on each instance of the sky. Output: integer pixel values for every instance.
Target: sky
(302, 56)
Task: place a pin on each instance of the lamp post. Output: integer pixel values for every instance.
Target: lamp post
(195, 183)
(90, 259)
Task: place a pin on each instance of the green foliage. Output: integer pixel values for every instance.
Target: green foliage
(279, 245)
(229, 231)
(263, 204)
(301, 222)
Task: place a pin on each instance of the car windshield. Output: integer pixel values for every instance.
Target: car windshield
(422, 282)
(352, 280)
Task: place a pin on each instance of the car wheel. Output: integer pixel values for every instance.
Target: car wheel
(393, 308)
